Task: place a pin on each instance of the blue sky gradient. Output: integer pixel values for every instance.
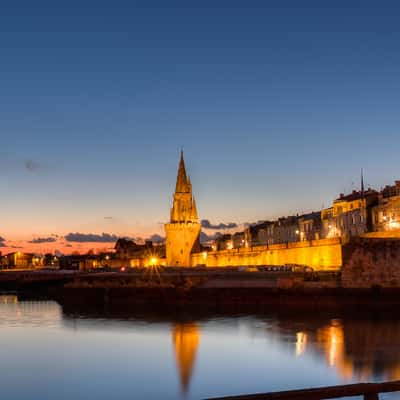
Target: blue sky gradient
(277, 107)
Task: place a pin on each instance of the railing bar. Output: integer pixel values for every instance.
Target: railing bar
(370, 391)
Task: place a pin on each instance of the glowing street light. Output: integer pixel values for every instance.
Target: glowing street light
(153, 261)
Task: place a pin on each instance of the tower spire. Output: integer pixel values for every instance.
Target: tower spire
(362, 183)
(182, 183)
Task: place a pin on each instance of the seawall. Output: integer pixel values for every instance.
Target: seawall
(325, 254)
(229, 299)
(213, 289)
(371, 262)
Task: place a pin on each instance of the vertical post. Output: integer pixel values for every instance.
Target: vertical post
(371, 396)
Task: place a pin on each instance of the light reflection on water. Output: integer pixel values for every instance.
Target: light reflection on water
(47, 354)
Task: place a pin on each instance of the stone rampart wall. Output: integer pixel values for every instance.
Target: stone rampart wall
(371, 263)
(323, 254)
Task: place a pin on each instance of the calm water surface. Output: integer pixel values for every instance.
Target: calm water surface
(48, 354)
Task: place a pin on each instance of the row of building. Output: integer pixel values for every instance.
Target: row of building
(356, 214)
(21, 259)
(127, 253)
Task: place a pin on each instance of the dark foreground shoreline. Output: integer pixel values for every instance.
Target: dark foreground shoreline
(237, 293)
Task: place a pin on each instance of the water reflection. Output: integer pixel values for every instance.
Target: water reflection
(358, 349)
(331, 342)
(374, 348)
(301, 343)
(186, 338)
(9, 299)
(14, 313)
(207, 351)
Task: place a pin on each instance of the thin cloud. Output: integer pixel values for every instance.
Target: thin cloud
(40, 240)
(208, 238)
(156, 238)
(2, 242)
(32, 166)
(206, 224)
(91, 238)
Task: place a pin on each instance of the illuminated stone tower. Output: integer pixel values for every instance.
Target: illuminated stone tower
(184, 228)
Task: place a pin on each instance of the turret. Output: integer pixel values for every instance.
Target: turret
(184, 228)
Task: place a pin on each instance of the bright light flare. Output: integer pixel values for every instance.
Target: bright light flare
(153, 261)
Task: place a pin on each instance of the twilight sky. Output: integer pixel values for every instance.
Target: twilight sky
(277, 107)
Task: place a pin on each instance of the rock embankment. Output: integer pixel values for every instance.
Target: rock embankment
(371, 263)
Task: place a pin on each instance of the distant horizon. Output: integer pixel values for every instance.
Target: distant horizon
(278, 107)
(83, 242)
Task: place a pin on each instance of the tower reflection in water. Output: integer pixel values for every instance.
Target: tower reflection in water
(186, 339)
(358, 348)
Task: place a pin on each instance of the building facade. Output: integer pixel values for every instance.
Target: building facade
(350, 216)
(22, 260)
(284, 230)
(386, 214)
(126, 249)
(310, 226)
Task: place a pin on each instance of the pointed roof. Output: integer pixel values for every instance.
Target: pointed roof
(362, 183)
(182, 181)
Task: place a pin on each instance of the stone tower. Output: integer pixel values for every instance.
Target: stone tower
(183, 231)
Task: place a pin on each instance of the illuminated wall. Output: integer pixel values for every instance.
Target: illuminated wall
(323, 254)
(181, 237)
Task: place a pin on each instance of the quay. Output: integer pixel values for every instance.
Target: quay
(217, 289)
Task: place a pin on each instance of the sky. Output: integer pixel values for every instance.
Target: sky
(277, 104)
